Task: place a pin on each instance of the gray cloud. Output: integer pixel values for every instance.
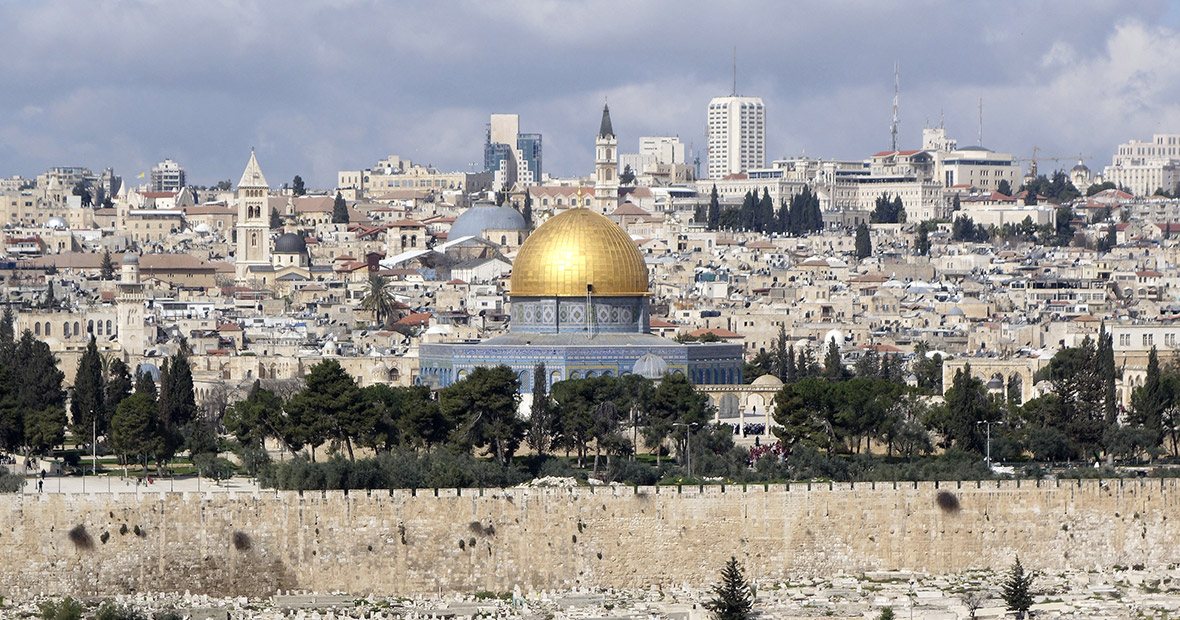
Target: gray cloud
(320, 86)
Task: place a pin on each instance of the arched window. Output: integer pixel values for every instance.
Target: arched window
(503, 239)
(48, 328)
(109, 332)
(77, 328)
(37, 329)
(90, 327)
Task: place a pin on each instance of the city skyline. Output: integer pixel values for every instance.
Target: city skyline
(318, 89)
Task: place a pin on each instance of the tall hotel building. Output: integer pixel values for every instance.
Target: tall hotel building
(737, 135)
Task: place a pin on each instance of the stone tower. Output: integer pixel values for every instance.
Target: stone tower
(606, 164)
(130, 308)
(253, 225)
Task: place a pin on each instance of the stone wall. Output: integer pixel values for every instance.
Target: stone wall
(469, 540)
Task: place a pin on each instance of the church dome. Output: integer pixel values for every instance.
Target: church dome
(130, 259)
(576, 249)
(57, 223)
(290, 243)
(482, 217)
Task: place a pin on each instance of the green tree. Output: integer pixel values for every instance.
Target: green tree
(864, 245)
(1073, 371)
(119, 386)
(420, 421)
(887, 211)
(257, 417)
(527, 210)
(1017, 589)
(12, 415)
(542, 421)
(482, 409)
(276, 221)
(49, 301)
(65, 609)
(107, 267)
(732, 599)
(144, 383)
(574, 403)
(39, 393)
(297, 186)
(713, 217)
(1150, 401)
(177, 401)
(627, 176)
(330, 407)
(135, 429)
(927, 368)
(1004, 187)
(339, 210)
(88, 405)
(378, 299)
(834, 369)
(674, 401)
(965, 405)
(922, 241)
(804, 413)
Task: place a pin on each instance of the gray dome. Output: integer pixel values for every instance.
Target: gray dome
(474, 221)
(290, 243)
(130, 258)
(650, 366)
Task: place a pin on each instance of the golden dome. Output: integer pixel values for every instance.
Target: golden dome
(577, 248)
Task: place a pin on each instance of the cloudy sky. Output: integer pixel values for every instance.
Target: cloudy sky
(321, 86)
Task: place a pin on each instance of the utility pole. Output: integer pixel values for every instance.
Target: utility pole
(988, 424)
(896, 90)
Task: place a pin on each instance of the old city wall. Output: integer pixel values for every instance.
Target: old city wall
(469, 540)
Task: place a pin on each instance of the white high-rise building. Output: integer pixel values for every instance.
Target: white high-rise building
(737, 135)
(1143, 167)
(167, 176)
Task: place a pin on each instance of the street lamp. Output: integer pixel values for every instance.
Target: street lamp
(988, 424)
(687, 444)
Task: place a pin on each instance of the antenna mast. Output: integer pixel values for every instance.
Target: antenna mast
(981, 121)
(734, 94)
(893, 127)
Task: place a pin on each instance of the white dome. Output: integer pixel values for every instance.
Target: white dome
(57, 223)
(203, 229)
(836, 335)
(650, 366)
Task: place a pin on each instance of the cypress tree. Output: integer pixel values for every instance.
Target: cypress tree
(834, 369)
(339, 210)
(118, 387)
(864, 245)
(144, 383)
(107, 268)
(542, 422)
(732, 599)
(1016, 590)
(88, 406)
(714, 212)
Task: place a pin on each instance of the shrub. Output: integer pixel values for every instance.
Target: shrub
(633, 472)
(65, 609)
(113, 611)
(10, 482)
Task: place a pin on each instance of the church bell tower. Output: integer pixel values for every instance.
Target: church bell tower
(253, 225)
(606, 166)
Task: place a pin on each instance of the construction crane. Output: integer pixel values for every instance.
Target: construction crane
(1032, 169)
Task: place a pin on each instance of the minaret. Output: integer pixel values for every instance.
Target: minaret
(606, 166)
(129, 308)
(253, 226)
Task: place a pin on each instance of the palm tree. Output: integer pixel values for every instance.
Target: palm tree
(378, 298)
